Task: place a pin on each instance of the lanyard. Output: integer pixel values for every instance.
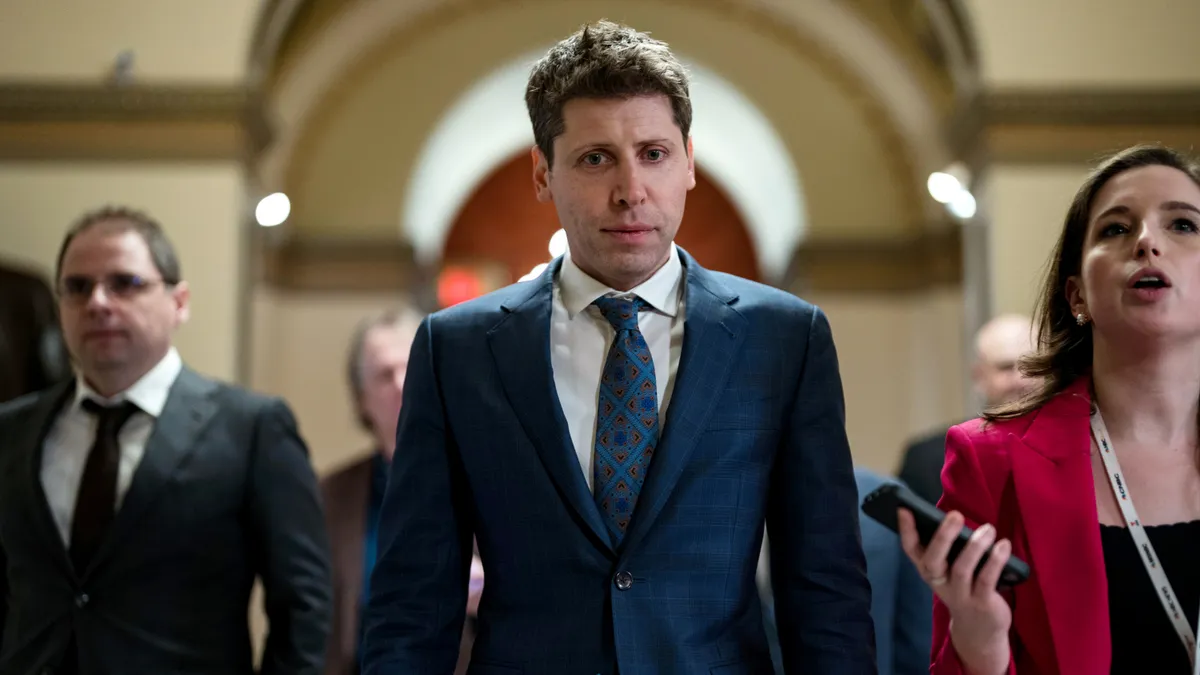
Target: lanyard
(1158, 577)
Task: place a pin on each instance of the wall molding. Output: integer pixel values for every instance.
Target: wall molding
(1071, 126)
(317, 265)
(1087, 107)
(931, 260)
(137, 122)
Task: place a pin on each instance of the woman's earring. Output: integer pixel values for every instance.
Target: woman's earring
(1081, 319)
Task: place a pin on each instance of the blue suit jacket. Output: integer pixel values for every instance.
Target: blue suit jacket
(901, 602)
(755, 431)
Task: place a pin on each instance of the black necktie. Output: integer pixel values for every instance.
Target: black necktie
(96, 502)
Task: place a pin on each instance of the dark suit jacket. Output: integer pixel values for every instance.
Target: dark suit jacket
(901, 601)
(754, 430)
(32, 355)
(224, 493)
(921, 466)
(345, 493)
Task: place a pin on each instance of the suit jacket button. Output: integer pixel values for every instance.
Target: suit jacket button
(81, 600)
(624, 581)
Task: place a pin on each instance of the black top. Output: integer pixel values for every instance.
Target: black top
(1143, 638)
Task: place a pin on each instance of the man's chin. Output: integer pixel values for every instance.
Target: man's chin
(638, 263)
(104, 362)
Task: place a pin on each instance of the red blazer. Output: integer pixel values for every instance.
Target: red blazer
(1032, 478)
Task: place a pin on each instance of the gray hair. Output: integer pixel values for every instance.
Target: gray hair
(392, 318)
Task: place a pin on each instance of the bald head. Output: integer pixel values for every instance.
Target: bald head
(998, 347)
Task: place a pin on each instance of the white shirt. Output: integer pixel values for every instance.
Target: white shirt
(580, 337)
(69, 441)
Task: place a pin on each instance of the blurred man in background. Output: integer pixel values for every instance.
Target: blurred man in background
(375, 369)
(999, 345)
(140, 500)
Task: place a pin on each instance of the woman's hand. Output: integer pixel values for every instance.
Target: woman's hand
(979, 616)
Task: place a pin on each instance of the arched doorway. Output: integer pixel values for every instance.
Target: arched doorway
(502, 224)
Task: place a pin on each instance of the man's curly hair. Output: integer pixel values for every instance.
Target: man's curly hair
(603, 60)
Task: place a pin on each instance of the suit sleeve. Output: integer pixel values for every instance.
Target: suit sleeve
(913, 624)
(293, 558)
(3, 592)
(818, 570)
(414, 619)
(965, 490)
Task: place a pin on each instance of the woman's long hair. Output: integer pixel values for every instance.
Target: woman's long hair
(1064, 348)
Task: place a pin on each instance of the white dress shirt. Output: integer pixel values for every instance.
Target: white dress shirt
(580, 337)
(69, 441)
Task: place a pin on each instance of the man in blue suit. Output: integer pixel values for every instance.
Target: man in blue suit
(615, 432)
(901, 602)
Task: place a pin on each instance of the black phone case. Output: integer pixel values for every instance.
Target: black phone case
(881, 505)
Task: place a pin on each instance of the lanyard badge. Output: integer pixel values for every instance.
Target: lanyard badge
(1158, 576)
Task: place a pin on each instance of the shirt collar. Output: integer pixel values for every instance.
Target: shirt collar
(660, 291)
(149, 393)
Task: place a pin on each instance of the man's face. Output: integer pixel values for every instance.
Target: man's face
(118, 316)
(621, 174)
(384, 363)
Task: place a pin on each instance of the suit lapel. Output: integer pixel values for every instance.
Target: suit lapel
(712, 335)
(1053, 475)
(32, 443)
(188, 410)
(520, 345)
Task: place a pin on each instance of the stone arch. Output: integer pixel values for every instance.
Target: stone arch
(306, 86)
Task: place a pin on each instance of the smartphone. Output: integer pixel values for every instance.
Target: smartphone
(882, 503)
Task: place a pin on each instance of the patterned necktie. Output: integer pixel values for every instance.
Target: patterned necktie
(96, 501)
(627, 416)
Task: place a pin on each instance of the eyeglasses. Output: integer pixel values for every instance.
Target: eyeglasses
(79, 289)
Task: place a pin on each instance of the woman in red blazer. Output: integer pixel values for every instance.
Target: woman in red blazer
(1054, 478)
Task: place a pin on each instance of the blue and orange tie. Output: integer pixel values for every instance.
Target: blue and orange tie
(627, 416)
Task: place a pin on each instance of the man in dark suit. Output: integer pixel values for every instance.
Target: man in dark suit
(999, 345)
(615, 432)
(353, 494)
(32, 354)
(141, 500)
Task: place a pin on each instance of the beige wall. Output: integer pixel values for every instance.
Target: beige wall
(902, 364)
(1087, 42)
(299, 353)
(1034, 44)
(173, 41)
(1027, 206)
(198, 205)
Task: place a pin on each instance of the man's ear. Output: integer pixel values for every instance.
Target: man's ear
(182, 295)
(691, 164)
(541, 176)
